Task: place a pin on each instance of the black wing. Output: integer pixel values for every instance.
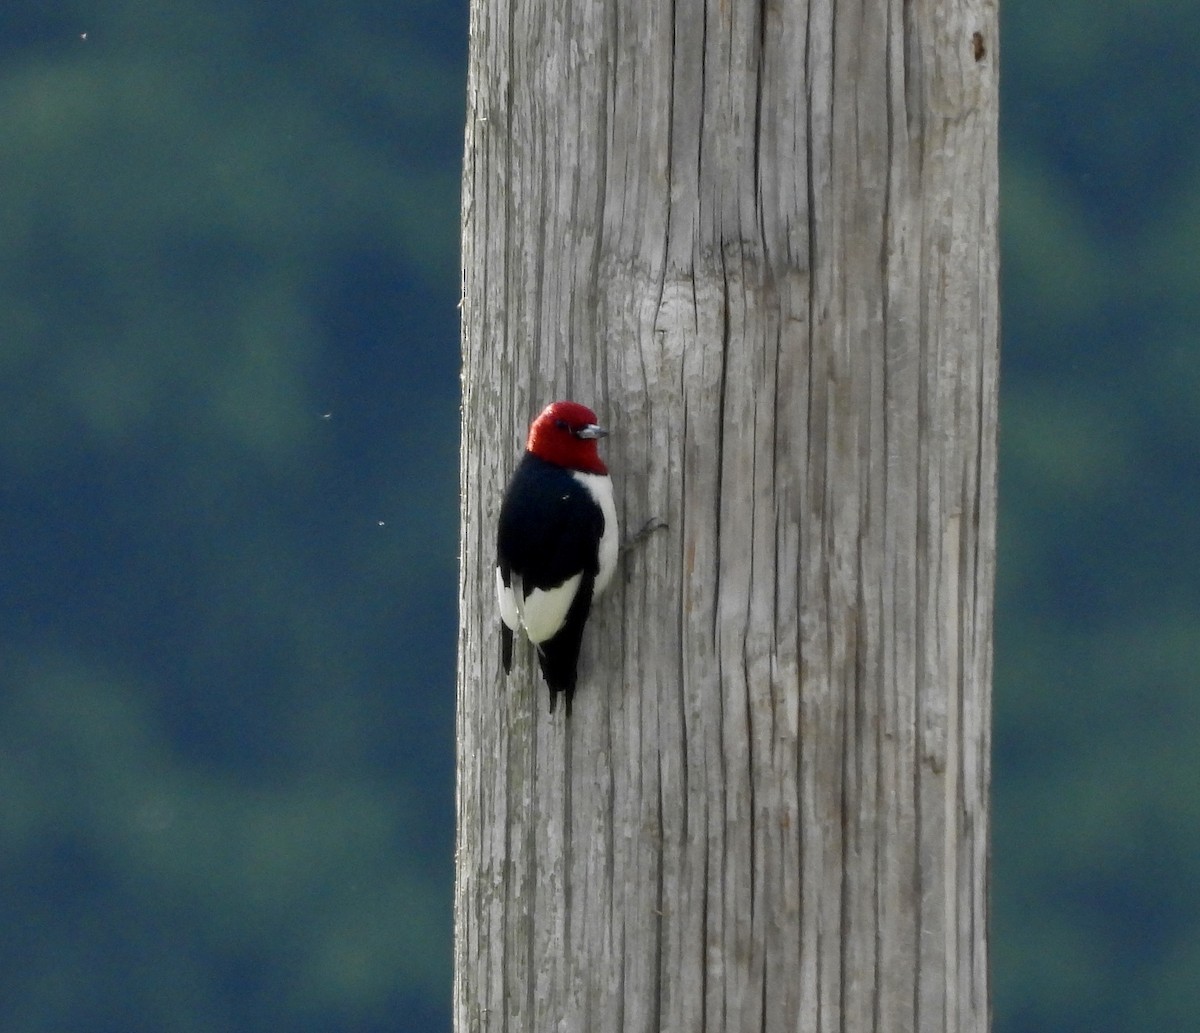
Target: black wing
(550, 526)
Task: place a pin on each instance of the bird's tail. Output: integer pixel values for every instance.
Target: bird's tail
(506, 644)
(558, 660)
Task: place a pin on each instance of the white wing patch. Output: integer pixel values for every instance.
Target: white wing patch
(542, 612)
(507, 598)
(545, 610)
(600, 487)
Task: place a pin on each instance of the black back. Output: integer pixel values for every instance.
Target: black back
(549, 525)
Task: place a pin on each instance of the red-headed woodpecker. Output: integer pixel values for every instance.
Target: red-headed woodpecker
(557, 543)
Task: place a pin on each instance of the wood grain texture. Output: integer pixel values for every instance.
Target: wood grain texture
(759, 238)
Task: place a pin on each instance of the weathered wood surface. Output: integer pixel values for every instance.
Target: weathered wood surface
(760, 240)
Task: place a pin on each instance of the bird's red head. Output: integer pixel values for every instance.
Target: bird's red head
(565, 433)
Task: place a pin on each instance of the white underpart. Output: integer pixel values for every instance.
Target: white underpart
(600, 487)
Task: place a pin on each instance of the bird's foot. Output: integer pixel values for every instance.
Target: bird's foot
(648, 528)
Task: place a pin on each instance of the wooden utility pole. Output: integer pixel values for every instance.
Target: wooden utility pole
(759, 238)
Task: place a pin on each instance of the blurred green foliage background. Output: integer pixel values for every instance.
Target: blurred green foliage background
(1096, 780)
(228, 458)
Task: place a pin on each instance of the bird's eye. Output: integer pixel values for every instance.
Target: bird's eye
(561, 424)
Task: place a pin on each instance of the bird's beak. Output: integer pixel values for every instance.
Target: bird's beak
(591, 431)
